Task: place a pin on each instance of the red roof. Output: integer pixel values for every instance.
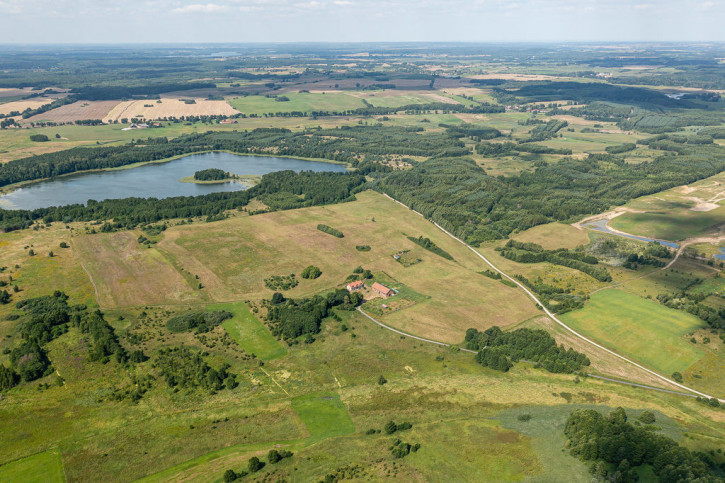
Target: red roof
(382, 289)
(356, 285)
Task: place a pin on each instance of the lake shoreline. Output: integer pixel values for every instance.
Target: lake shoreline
(163, 178)
(7, 189)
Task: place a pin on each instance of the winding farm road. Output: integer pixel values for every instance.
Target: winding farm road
(547, 311)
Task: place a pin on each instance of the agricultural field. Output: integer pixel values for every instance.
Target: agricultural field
(21, 105)
(298, 101)
(80, 110)
(639, 328)
(168, 107)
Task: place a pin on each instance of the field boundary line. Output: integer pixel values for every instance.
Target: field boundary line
(554, 317)
(405, 334)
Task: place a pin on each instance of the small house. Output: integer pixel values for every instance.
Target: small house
(355, 286)
(382, 290)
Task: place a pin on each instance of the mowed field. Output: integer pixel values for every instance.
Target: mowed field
(640, 329)
(168, 107)
(75, 112)
(126, 273)
(554, 235)
(234, 257)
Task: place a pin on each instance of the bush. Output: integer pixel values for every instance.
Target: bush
(382, 380)
(200, 321)
(330, 231)
(677, 377)
(230, 475)
(311, 272)
(39, 138)
(524, 417)
(254, 464)
(647, 417)
(390, 427)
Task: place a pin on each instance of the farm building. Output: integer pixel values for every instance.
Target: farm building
(355, 286)
(382, 290)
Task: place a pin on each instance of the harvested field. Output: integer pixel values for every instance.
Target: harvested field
(168, 108)
(20, 106)
(77, 111)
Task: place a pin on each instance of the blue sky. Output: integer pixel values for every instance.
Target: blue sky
(124, 21)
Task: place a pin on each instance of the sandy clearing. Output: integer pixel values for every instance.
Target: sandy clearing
(77, 111)
(169, 108)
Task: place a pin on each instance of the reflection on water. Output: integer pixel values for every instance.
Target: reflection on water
(152, 180)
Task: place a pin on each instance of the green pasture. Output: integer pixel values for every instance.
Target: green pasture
(324, 415)
(249, 332)
(298, 101)
(640, 329)
(40, 468)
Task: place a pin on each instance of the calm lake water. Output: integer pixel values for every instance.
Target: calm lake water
(152, 180)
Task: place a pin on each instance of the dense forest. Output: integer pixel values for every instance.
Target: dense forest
(461, 197)
(617, 448)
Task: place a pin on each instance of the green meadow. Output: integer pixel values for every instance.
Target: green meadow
(640, 329)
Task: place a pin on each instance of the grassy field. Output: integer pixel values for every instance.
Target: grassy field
(324, 415)
(233, 257)
(298, 101)
(40, 468)
(676, 224)
(554, 235)
(640, 329)
(249, 332)
(140, 276)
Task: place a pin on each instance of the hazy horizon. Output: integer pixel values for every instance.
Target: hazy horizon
(67, 22)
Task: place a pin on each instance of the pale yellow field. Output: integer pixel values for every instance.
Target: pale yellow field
(20, 106)
(169, 108)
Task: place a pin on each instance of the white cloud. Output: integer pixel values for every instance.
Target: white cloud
(201, 8)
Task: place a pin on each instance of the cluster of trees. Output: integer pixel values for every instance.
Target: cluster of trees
(534, 253)
(477, 133)
(693, 303)
(212, 174)
(499, 350)
(557, 299)
(330, 230)
(291, 318)
(428, 244)
(590, 91)
(621, 148)
(281, 282)
(545, 131)
(46, 318)
(184, 368)
(199, 322)
(617, 448)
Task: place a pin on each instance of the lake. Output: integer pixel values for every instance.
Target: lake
(160, 180)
